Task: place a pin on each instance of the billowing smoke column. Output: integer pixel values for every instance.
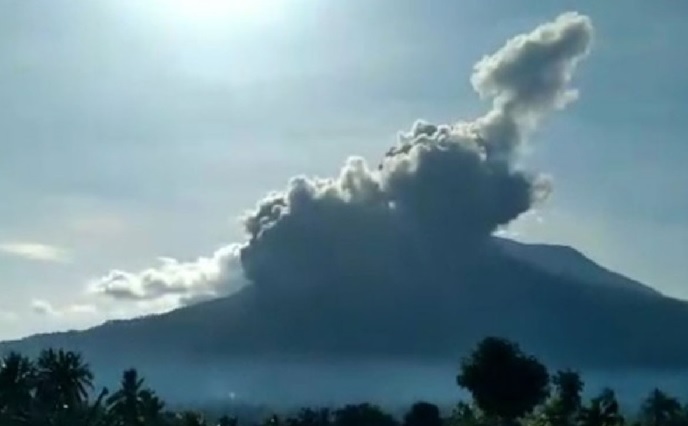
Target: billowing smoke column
(442, 189)
(434, 197)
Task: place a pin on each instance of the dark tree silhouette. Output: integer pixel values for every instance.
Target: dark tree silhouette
(660, 409)
(97, 413)
(63, 380)
(190, 418)
(505, 383)
(362, 415)
(602, 411)
(227, 421)
(310, 417)
(273, 420)
(17, 380)
(565, 406)
(152, 408)
(63, 383)
(465, 415)
(423, 414)
(125, 405)
(134, 405)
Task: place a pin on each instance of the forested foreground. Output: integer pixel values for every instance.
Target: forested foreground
(508, 388)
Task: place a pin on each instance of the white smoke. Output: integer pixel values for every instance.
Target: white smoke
(205, 278)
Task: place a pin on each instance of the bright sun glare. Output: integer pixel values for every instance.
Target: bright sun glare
(210, 18)
(209, 9)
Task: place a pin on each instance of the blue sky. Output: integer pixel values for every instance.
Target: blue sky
(131, 133)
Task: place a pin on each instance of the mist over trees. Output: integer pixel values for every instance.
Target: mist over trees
(508, 387)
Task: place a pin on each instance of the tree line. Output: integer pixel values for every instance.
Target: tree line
(507, 386)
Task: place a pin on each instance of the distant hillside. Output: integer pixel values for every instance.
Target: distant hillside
(552, 299)
(568, 262)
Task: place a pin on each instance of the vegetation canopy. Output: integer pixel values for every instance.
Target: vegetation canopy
(507, 386)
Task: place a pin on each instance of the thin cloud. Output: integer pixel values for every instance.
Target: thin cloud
(80, 309)
(47, 309)
(8, 316)
(35, 251)
(104, 226)
(43, 308)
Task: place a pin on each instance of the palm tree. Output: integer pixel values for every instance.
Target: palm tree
(151, 408)
(125, 404)
(17, 375)
(134, 405)
(63, 380)
(96, 415)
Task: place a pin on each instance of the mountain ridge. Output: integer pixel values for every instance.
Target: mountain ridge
(567, 260)
(562, 318)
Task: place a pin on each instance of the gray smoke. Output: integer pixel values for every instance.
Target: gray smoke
(436, 195)
(440, 191)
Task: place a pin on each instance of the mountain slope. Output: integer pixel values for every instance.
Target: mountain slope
(563, 318)
(569, 262)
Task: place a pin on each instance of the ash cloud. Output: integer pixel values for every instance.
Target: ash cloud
(436, 195)
(440, 192)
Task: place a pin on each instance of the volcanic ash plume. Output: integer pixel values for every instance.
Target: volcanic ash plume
(435, 195)
(442, 188)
